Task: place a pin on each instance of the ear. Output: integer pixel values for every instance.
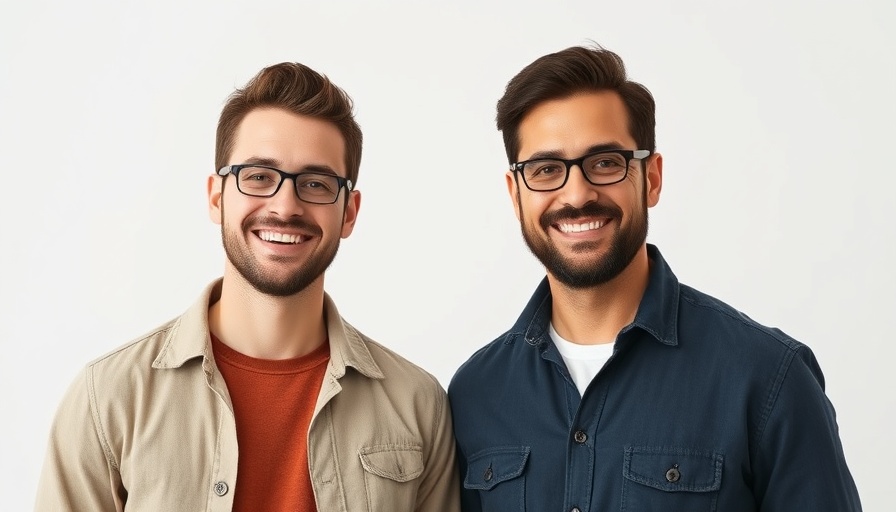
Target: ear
(654, 176)
(513, 190)
(214, 187)
(351, 213)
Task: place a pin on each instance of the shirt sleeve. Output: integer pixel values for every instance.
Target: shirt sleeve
(800, 465)
(439, 486)
(77, 474)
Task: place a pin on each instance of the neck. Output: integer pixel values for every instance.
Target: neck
(268, 327)
(595, 315)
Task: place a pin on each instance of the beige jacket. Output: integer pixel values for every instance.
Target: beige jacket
(150, 427)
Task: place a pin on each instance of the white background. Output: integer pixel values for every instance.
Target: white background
(774, 117)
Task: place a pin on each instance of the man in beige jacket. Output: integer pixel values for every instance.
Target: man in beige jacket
(260, 396)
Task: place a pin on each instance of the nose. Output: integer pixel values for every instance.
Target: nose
(578, 191)
(286, 202)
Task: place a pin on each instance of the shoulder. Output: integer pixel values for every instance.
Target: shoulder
(398, 370)
(493, 357)
(109, 384)
(730, 338)
(138, 353)
(115, 377)
(721, 322)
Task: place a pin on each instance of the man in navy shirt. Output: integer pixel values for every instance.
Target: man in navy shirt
(620, 388)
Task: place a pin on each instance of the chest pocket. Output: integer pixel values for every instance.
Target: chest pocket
(666, 478)
(499, 476)
(389, 474)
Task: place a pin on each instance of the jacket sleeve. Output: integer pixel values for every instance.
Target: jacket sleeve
(77, 475)
(439, 486)
(800, 463)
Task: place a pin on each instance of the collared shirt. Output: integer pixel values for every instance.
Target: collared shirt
(150, 427)
(699, 408)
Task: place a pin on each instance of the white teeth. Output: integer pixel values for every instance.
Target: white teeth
(578, 228)
(271, 236)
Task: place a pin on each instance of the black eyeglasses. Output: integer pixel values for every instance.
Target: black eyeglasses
(600, 168)
(264, 181)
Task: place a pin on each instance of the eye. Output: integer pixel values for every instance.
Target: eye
(258, 178)
(605, 163)
(544, 169)
(318, 183)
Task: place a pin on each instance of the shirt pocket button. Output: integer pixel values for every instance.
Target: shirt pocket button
(673, 474)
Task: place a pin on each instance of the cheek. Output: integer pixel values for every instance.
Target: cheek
(330, 222)
(234, 212)
(533, 205)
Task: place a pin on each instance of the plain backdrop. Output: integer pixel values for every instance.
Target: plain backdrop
(774, 119)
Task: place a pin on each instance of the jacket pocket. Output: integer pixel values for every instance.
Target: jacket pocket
(670, 478)
(499, 476)
(389, 474)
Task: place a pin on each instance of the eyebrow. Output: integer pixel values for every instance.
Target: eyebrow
(556, 154)
(270, 162)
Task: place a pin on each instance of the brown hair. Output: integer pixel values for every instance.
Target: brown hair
(298, 89)
(562, 74)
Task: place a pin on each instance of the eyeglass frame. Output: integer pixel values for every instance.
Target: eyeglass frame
(628, 154)
(236, 168)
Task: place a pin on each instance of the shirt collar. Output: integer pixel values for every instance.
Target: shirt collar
(657, 313)
(188, 338)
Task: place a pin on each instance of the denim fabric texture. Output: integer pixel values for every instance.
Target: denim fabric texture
(700, 409)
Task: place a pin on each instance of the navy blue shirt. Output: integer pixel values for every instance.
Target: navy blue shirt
(699, 409)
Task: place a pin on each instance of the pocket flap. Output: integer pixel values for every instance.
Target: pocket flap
(488, 468)
(395, 462)
(674, 469)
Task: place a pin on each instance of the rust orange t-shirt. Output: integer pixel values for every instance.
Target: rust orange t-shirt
(273, 401)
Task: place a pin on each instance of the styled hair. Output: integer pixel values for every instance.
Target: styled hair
(565, 73)
(298, 89)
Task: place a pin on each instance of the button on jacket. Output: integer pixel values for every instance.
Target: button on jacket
(150, 427)
(699, 408)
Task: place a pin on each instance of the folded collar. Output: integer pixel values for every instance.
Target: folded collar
(188, 338)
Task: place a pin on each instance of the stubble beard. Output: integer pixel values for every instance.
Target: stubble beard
(252, 271)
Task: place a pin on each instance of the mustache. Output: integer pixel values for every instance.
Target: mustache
(275, 223)
(570, 213)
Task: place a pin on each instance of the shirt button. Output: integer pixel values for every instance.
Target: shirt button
(574, 509)
(673, 474)
(221, 488)
(487, 476)
(580, 436)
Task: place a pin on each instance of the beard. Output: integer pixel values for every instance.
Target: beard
(623, 246)
(252, 271)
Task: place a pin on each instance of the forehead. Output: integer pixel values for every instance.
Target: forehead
(292, 140)
(569, 126)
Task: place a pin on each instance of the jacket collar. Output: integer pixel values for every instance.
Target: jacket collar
(188, 338)
(657, 313)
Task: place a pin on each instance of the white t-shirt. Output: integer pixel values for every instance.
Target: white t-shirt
(582, 361)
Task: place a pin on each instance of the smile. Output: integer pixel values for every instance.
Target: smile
(578, 228)
(281, 238)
